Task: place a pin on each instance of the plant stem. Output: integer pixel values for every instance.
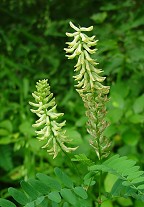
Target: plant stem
(29, 164)
(100, 182)
(73, 165)
(100, 176)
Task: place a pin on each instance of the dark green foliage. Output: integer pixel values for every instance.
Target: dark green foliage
(6, 157)
(52, 194)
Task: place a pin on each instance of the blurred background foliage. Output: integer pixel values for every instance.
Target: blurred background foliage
(32, 38)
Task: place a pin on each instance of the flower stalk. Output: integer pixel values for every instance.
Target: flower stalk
(90, 86)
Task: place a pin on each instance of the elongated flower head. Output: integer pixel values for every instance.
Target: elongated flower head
(48, 129)
(82, 47)
(90, 86)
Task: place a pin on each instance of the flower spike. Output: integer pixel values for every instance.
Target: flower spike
(82, 47)
(48, 129)
(90, 86)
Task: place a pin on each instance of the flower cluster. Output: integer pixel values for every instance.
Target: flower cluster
(96, 124)
(48, 129)
(89, 86)
(87, 75)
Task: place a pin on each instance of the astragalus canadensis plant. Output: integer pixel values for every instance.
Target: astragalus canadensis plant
(89, 86)
(45, 190)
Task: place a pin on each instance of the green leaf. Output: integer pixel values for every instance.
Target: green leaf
(125, 201)
(131, 137)
(35, 146)
(107, 45)
(89, 182)
(63, 178)
(130, 171)
(6, 140)
(135, 175)
(6, 157)
(31, 191)
(31, 204)
(4, 132)
(6, 124)
(88, 179)
(119, 91)
(138, 22)
(39, 200)
(110, 130)
(41, 187)
(19, 196)
(49, 181)
(138, 106)
(54, 196)
(136, 118)
(26, 128)
(6, 203)
(68, 195)
(80, 192)
(116, 189)
(99, 17)
(89, 175)
(138, 180)
(115, 115)
(126, 183)
(43, 203)
(107, 203)
(54, 204)
(81, 122)
(65, 204)
(109, 182)
(74, 135)
(117, 100)
(141, 187)
(138, 203)
(82, 158)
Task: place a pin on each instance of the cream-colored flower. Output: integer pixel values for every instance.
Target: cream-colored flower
(90, 86)
(49, 130)
(82, 46)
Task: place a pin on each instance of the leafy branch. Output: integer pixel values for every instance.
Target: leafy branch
(47, 191)
(90, 87)
(130, 179)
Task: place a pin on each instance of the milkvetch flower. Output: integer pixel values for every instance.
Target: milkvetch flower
(48, 129)
(90, 86)
(82, 47)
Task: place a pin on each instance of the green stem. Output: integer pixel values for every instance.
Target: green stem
(73, 165)
(100, 176)
(100, 182)
(29, 164)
